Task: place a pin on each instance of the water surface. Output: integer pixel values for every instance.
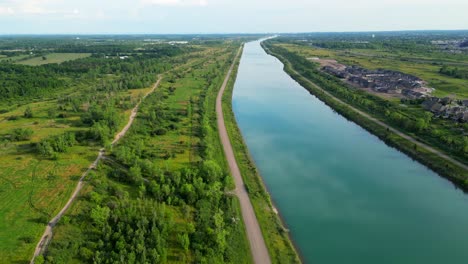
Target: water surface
(345, 196)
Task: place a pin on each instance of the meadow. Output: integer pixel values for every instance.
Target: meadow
(52, 58)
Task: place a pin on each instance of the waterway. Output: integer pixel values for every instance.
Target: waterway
(345, 196)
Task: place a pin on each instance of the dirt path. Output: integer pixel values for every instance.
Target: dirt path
(254, 234)
(384, 125)
(46, 237)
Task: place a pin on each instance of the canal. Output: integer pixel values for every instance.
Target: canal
(345, 196)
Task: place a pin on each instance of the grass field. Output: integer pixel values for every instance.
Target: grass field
(426, 68)
(53, 58)
(14, 58)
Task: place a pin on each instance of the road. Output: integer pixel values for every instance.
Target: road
(46, 237)
(254, 234)
(384, 125)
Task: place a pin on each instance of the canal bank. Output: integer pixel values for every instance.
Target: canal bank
(345, 195)
(275, 234)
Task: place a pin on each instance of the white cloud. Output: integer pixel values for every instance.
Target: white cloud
(6, 11)
(35, 7)
(175, 2)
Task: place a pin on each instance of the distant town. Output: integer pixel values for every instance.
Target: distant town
(399, 85)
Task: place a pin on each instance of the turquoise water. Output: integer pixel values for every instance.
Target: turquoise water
(345, 196)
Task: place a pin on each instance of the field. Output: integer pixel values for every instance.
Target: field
(53, 58)
(14, 58)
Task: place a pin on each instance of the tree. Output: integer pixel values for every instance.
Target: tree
(184, 241)
(28, 113)
(99, 215)
(45, 149)
(51, 113)
(211, 171)
(20, 134)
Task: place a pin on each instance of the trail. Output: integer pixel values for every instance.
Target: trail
(46, 237)
(382, 124)
(254, 234)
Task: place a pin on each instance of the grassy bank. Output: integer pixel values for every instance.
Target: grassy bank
(443, 167)
(275, 234)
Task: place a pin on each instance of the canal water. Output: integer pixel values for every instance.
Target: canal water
(345, 196)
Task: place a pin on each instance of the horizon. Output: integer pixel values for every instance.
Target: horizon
(231, 33)
(87, 17)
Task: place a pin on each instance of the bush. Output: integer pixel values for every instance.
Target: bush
(28, 113)
(160, 131)
(20, 134)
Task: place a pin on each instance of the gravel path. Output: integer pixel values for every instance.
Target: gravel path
(254, 234)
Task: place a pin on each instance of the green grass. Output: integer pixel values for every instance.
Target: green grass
(14, 58)
(53, 58)
(275, 234)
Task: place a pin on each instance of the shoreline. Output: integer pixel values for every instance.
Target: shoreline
(231, 123)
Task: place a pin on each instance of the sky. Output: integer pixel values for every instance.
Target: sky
(227, 16)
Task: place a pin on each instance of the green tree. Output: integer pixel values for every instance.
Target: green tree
(20, 134)
(184, 241)
(99, 215)
(28, 113)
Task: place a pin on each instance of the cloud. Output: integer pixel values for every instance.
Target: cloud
(34, 7)
(6, 11)
(175, 2)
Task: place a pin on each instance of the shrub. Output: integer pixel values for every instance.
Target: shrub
(160, 131)
(20, 134)
(28, 113)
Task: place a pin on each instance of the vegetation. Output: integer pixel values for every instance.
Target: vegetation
(52, 58)
(454, 72)
(55, 117)
(411, 119)
(162, 196)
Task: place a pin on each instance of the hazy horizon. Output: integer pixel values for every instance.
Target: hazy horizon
(228, 16)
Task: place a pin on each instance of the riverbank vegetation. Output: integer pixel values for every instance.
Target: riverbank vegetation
(444, 135)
